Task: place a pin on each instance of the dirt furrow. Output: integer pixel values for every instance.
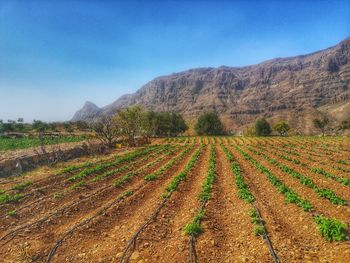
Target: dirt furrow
(323, 182)
(320, 204)
(42, 206)
(291, 230)
(41, 234)
(164, 237)
(56, 185)
(107, 236)
(228, 233)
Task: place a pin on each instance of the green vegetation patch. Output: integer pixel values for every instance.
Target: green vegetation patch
(330, 228)
(10, 144)
(21, 186)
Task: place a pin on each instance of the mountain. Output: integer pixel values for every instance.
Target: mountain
(88, 111)
(297, 89)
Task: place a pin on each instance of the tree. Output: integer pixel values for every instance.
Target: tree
(321, 124)
(164, 123)
(106, 130)
(282, 128)
(82, 125)
(209, 123)
(130, 121)
(345, 124)
(262, 127)
(1, 128)
(68, 126)
(40, 126)
(8, 127)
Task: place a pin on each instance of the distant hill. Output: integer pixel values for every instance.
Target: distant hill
(297, 89)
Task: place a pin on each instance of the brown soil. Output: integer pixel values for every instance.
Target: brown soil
(93, 224)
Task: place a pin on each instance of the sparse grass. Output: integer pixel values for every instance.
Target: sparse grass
(78, 185)
(8, 198)
(12, 213)
(9, 144)
(57, 195)
(21, 186)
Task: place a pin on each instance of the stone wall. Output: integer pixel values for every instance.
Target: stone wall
(17, 162)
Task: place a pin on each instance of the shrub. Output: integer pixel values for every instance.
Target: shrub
(282, 128)
(209, 123)
(262, 127)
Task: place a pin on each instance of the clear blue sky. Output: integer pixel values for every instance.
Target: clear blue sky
(55, 55)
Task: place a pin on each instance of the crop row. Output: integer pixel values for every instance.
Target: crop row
(330, 228)
(304, 180)
(129, 166)
(155, 175)
(124, 179)
(332, 160)
(101, 167)
(317, 170)
(182, 175)
(194, 228)
(171, 187)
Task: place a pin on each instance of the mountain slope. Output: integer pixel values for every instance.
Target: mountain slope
(88, 111)
(296, 88)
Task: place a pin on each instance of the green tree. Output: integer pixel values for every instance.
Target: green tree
(40, 126)
(131, 122)
(106, 130)
(282, 127)
(1, 128)
(321, 124)
(345, 124)
(262, 127)
(68, 127)
(209, 123)
(82, 125)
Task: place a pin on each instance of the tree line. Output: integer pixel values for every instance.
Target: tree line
(134, 123)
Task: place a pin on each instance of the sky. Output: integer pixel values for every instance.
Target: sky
(55, 55)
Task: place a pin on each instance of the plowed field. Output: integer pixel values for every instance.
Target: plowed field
(191, 199)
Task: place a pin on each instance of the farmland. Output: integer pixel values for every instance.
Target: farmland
(9, 144)
(198, 199)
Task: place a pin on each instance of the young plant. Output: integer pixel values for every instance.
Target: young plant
(330, 228)
(21, 186)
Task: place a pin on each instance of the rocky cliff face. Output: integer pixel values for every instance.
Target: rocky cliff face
(88, 111)
(297, 89)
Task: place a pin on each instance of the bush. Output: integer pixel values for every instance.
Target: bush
(262, 127)
(282, 128)
(209, 124)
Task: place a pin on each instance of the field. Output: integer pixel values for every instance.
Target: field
(197, 199)
(9, 144)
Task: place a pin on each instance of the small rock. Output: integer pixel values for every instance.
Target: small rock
(135, 255)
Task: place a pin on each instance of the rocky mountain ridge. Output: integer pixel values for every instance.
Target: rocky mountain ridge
(297, 89)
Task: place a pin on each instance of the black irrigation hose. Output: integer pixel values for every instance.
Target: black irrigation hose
(267, 239)
(57, 212)
(132, 241)
(192, 242)
(84, 222)
(193, 254)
